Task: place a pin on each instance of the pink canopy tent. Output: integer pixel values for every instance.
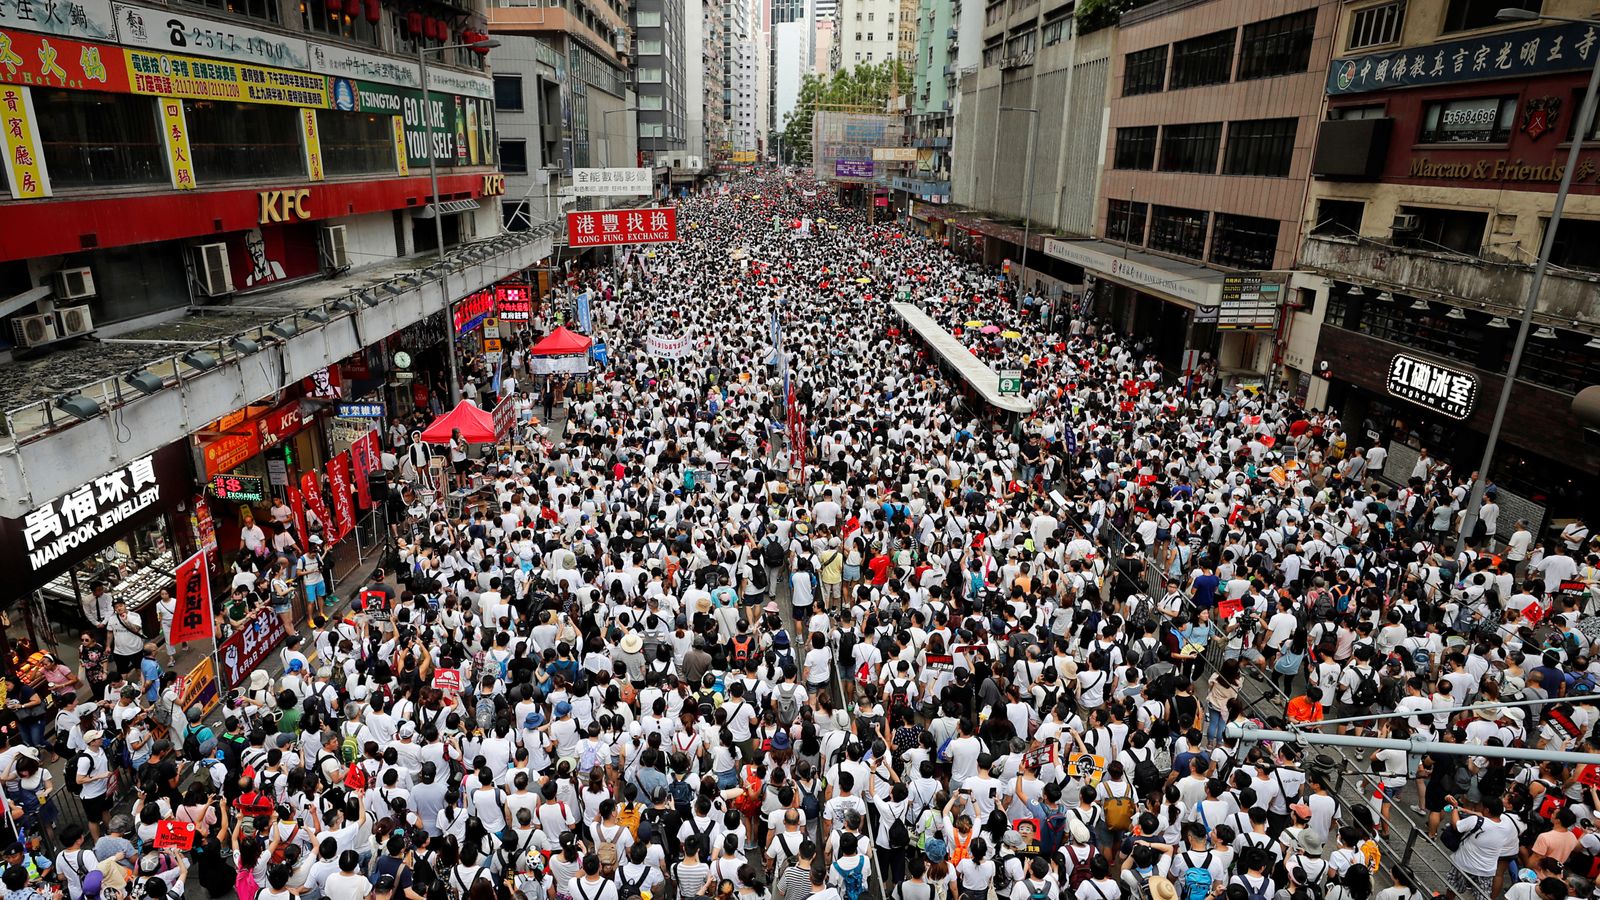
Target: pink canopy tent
(477, 426)
(561, 342)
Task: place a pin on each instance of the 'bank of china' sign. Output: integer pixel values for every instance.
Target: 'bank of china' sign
(1434, 386)
(90, 511)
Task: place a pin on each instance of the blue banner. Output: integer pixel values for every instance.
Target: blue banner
(1507, 54)
(585, 317)
(602, 354)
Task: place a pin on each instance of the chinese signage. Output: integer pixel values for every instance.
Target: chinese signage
(1248, 303)
(170, 30)
(604, 228)
(312, 142)
(191, 620)
(239, 488)
(514, 301)
(247, 647)
(344, 63)
(52, 537)
(372, 410)
(451, 82)
(1432, 385)
(1516, 54)
(88, 19)
(611, 182)
(743, 157)
(177, 133)
(41, 60)
(505, 413)
(344, 516)
(229, 450)
(853, 168)
(472, 310)
(170, 75)
(24, 162)
(1200, 293)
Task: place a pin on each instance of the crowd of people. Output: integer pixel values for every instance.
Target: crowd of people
(940, 653)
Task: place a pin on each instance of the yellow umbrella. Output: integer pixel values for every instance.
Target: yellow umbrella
(863, 281)
(1011, 335)
(975, 323)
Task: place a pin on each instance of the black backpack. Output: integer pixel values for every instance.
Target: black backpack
(899, 834)
(1366, 690)
(1147, 775)
(772, 553)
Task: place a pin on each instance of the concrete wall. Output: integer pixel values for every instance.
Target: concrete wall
(371, 239)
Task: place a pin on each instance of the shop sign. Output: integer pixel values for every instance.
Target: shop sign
(612, 227)
(46, 541)
(24, 154)
(345, 64)
(1136, 273)
(472, 310)
(169, 30)
(443, 112)
(447, 81)
(494, 185)
(1515, 54)
(87, 19)
(323, 383)
(41, 60)
(852, 168)
(283, 206)
(281, 424)
(1429, 384)
(239, 488)
(247, 647)
(514, 302)
(1516, 170)
(229, 450)
(894, 154)
(1249, 302)
(369, 410)
(171, 75)
(611, 182)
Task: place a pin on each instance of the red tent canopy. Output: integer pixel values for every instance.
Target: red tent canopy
(477, 426)
(560, 342)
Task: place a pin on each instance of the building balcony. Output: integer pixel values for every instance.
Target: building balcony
(1566, 298)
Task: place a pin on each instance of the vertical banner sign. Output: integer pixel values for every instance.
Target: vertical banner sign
(192, 619)
(311, 493)
(344, 517)
(313, 143)
(177, 131)
(402, 164)
(29, 180)
(585, 313)
(297, 506)
(472, 131)
(361, 462)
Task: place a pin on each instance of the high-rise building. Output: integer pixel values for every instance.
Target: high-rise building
(791, 57)
(826, 9)
(822, 55)
(706, 81)
(740, 20)
(866, 31)
(660, 58)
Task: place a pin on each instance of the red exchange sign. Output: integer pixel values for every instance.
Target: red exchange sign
(608, 227)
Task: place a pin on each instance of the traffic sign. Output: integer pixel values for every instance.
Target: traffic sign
(1010, 383)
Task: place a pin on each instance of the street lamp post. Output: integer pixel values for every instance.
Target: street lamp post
(1584, 123)
(1027, 195)
(438, 211)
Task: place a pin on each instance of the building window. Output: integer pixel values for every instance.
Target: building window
(1376, 25)
(1057, 31)
(1021, 44)
(1465, 15)
(1191, 148)
(315, 16)
(1125, 220)
(265, 10)
(1454, 230)
(991, 56)
(508, 93)
(649, 47)
(1144, 72)
(1180, 231)
(649, 103)
(644, 19)
(91, 139)
(1280, 46)
(1136, 148)
(356, 143)
(1260, 147)
(1207, 59)
(243, 140)
(1339, 217)
(1480, 120)
(1344, 113)
(1574, 246)
(514, 156)
(649, 74)
(1244, 242)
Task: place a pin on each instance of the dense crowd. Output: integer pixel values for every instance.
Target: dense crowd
(940, 653)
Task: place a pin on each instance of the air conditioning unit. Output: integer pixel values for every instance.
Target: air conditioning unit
(333, 247)
(34, 331)
(74, 320)
(74, 284)
(211, 268)
(1405, 223)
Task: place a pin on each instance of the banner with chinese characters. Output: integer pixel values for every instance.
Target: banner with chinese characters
(1506, 54)
(297, 505)
(247, 647)
(312, 143)
(363, 459)
(24, 161)
(62, 532)
(611, 182)
(171, 75)
(344, 516)
(311, 495)
(90, 20)
(191, 621)
(604, 228)
(402, 163)
(44, 61)
(172, 30)
(177, 133)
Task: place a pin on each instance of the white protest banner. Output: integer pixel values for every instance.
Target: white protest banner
(667, 347)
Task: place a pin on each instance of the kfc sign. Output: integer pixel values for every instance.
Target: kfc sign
(605, 228)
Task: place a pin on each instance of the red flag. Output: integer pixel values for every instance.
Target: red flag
(298, 507)
(1227, 609)
(192, 619)
(344, 517)
(311, 493)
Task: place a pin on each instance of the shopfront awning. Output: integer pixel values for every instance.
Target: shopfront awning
(451, 206)
(1186, 284)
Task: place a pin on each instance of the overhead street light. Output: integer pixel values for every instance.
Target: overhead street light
(144, 381)
(200, 360)
(78, 406)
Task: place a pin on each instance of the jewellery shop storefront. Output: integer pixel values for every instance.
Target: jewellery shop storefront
(119, 535)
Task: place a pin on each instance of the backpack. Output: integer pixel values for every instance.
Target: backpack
(1197, 881)
(899, 694)
(1366, 690)
(743, 647)
(899, 835)
(1078, 869)
(852, 880)
(1322, 607)
(772, 553)
(682, 794)
(787, 703)
(1255, 892)
(350, 748)
(73, 758)
(282, 849)
(191, 745)
(1053, 829)
(1119, 811)
(628, 817)
(607, 850)
(1039, 891)
(1147, 777)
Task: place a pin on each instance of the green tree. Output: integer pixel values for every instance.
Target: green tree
(866, 88)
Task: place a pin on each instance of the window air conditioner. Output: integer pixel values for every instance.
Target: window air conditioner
(1405, 223)
(211, 268)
